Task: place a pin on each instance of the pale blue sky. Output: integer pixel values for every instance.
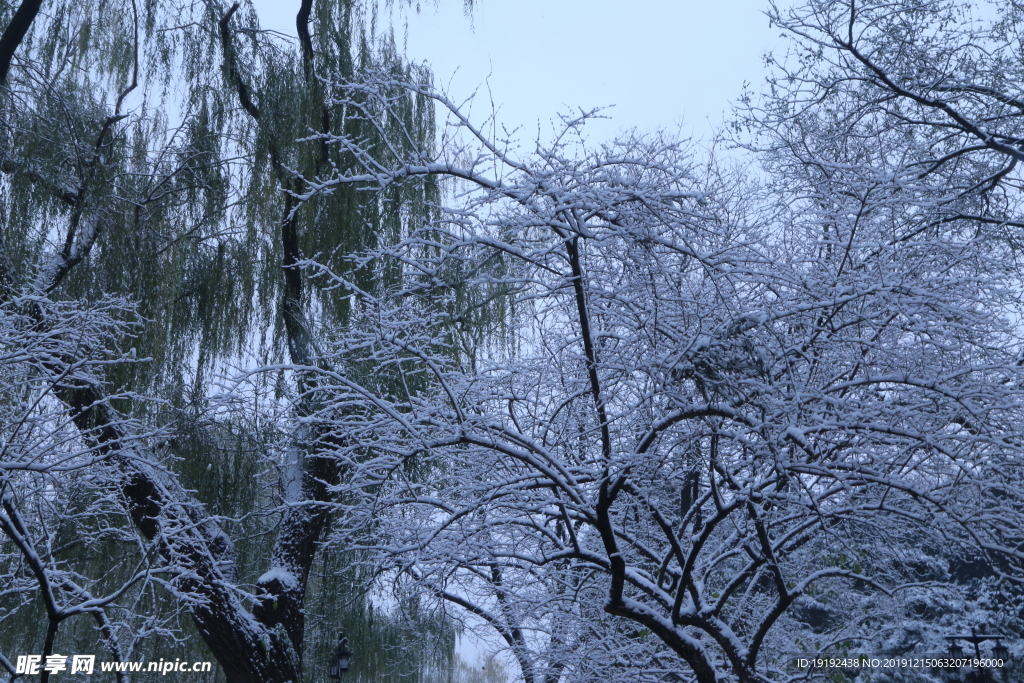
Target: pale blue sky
(661, 63)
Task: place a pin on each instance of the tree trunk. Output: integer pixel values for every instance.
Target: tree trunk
(14, 34)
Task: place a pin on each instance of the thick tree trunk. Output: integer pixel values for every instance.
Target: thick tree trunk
(15, 33)
(283, 587)
(248, 650)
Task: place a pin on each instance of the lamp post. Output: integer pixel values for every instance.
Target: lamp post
(342, 657)
(1000, 651)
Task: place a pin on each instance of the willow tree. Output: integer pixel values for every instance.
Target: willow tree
(148, 154)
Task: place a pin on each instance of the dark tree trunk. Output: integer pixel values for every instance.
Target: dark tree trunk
(14, 34)
(249, 651)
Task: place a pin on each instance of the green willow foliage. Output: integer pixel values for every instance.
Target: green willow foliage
(124, 135)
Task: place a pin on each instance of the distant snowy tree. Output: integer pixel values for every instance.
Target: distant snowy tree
(908, 108)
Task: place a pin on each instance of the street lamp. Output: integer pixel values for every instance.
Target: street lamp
(1000, 651)
(342, 656)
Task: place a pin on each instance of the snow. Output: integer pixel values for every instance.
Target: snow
(280, 575)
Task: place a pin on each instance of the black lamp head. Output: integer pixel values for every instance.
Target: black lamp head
(342, 659)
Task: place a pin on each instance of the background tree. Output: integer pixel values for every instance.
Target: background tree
(133, 164)
(913, 104)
